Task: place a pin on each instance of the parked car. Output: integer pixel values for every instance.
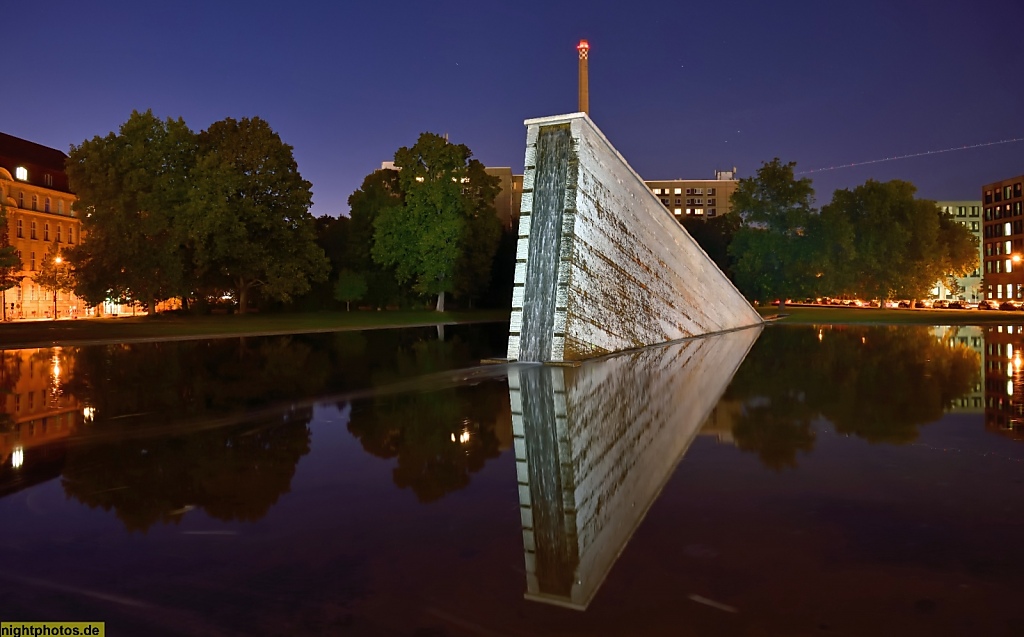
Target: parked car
(958, 305)
(986, 305)
(923, 304)
(905, 304)
(1008, 306)
(940, 304)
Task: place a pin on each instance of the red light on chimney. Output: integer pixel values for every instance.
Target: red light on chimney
(583, 45)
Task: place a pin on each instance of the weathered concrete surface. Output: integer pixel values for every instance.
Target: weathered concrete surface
(625, 274)
(594, 445)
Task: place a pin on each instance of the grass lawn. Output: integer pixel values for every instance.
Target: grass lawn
(837, 315)
(177, 327)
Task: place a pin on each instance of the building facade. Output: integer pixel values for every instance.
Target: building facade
(699, 198)
(1003, 239)
(41, 221)
(968, 288)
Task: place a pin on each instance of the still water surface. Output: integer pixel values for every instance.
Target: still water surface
(785, 481)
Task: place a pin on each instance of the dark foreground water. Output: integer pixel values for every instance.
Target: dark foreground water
(790, 481)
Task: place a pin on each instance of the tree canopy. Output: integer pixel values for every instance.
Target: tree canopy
(10, 263)
(248, 217)
(131, 188)
(169, 213)
(772, 256)
(893, 244)
(446, 225)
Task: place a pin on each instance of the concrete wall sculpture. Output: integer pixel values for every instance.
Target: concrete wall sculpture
(601, 265)
(594, 445)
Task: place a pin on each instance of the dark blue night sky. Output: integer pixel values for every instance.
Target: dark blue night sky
(680, 88)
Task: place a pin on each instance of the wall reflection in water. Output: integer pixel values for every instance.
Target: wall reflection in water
(595, 444)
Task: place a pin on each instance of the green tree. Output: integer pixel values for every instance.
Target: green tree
(772, 256)
(899, 245)
(55, 275)
(481, 234)
(426, 238)
(248, 217)
(10, 263)
(380, 190)
(714, 236)
(351, 286)
(131, 187)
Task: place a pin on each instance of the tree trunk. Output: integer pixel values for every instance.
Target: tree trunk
(55, 304)
(440, 302)
(782, 305)
(348, 306)
(4, 294)
(243, 297)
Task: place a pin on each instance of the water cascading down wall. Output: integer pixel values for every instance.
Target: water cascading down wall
(601, 265)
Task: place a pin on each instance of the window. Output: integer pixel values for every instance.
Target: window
(58, 234)
(657, 191)
(48, 179)
(712, 212)
(35, 202)
(711, 192)
(71, 235)
(711, 202)
(1007, 192)
(698, 191)
(664, 200)
(698, 211)
(679, 191)
(46, 231)
(60, 206)
(46, 203)
(689, 202)
(974, 226)
(21, 200)
(988, 196)
(974, 211)
(33, 262)
(1006, 229)
(21, 231)
(1016, 189)
(678, 201)
(21, 173)
(961, 211)
(678, 211)
(689, 211)
(32, 229)
(699, 202)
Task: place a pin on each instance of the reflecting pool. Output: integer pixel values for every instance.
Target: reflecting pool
(786, 481)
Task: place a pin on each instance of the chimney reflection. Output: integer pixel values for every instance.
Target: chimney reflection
(594, 445)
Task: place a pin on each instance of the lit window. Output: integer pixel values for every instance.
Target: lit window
(678, 211)
(21, 173)
(1009, 266)
(689, 211)
(698, 211)
(1006, 229)
(657, 191)
(679, 191)
(1008, 249)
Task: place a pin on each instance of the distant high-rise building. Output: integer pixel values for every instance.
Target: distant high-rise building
(1003, 239)
(967, 214)
(700, 198)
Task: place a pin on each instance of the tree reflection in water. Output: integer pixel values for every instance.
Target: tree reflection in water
(877, 383)
(438, 437)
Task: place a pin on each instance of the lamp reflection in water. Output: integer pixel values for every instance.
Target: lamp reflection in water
(595, 444)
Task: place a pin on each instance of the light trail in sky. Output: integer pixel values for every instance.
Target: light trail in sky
(929, 152)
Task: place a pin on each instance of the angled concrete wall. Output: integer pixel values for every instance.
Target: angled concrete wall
(594, 444)
(601, 265)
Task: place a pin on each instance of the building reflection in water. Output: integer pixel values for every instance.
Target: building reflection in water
(37, 415)
(595, 444)
(1004, 380)
(969, 337)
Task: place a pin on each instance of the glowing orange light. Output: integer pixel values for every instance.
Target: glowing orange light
(583, 46)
